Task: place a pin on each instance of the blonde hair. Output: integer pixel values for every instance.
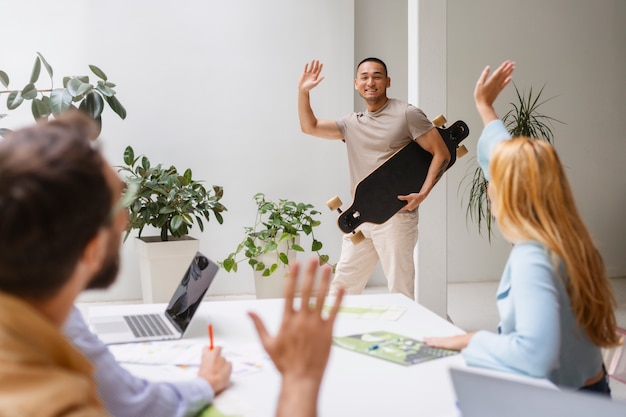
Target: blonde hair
(534, 201)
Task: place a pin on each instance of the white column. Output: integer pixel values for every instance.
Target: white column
(427, 90)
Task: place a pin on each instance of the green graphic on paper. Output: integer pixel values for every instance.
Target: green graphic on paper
(392, 347)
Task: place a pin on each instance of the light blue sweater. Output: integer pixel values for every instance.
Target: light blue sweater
(538, 335)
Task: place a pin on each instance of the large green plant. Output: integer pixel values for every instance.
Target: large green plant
(276, 222)
(167, 199)
(523, 119)
(77, 92)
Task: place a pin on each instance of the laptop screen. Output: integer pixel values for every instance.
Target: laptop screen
(190, 291)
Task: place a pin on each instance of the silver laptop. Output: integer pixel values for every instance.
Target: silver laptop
(482, 395)
(164, 325)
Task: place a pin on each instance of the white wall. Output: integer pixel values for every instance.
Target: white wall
(211, 85)
(578, 50)
(208, 85)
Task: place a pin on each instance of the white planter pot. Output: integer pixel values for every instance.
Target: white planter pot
(273, 286)
(163, 264)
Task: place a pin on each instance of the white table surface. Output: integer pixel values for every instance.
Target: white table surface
(354, 384)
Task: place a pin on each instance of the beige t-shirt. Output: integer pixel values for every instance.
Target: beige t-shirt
(371, 138)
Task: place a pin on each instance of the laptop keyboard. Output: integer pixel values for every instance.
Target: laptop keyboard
(146, 325)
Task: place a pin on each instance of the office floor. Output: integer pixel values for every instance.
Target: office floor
(471, 306)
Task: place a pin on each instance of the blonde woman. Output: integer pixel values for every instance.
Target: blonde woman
(555, 301)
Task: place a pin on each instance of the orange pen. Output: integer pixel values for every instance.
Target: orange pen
(211, 336)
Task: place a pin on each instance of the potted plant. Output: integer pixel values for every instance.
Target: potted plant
(523, 119)
(272, 242)
(172, 202)
(167, 199)
(77, 92)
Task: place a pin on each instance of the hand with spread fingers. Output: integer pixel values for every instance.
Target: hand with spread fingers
(301, 348)
(311, 77)
(488, 88)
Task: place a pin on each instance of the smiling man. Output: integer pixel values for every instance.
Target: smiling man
(372, 137)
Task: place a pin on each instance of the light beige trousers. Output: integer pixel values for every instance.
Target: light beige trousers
(393, 243)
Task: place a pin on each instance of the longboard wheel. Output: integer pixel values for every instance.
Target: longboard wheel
(439, 120)
(357, 237)
(461, 151)
(334, 203)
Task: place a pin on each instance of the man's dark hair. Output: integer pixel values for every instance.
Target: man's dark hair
(372, 59)
(54, 198)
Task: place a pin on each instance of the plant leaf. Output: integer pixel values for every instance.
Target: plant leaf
(34, 75)
(105, 90)
(98, 72)
(40, 109)
(60, 100)
(283, 258)
(46, 65)
(228, 263)
(93, 104)
(4, 79)
(116, 106)
(14, 100)
(29, 92)
(77, 87)
(129, 156)
(98, 121)
(177, 222)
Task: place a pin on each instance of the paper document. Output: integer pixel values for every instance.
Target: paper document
(370, 312)
(188, 352)
(391, 347)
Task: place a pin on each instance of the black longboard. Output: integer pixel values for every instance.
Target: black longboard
(376, 196)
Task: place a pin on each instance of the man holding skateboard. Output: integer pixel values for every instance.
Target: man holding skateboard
(371, 138)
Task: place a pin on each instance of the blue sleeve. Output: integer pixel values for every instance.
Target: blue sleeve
(125, 395)
(532, 346)
(492, 134)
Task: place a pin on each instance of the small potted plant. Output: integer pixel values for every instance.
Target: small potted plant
(172, 202)
(273, 241)
(167, 199)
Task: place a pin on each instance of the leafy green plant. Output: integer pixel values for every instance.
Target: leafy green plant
(276, 222)
(77, 92)
(166, 199)
(523, 119)
(479, 206)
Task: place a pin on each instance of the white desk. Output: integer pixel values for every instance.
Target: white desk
(354, 384)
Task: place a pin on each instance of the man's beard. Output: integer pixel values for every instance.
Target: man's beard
(108, 272)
